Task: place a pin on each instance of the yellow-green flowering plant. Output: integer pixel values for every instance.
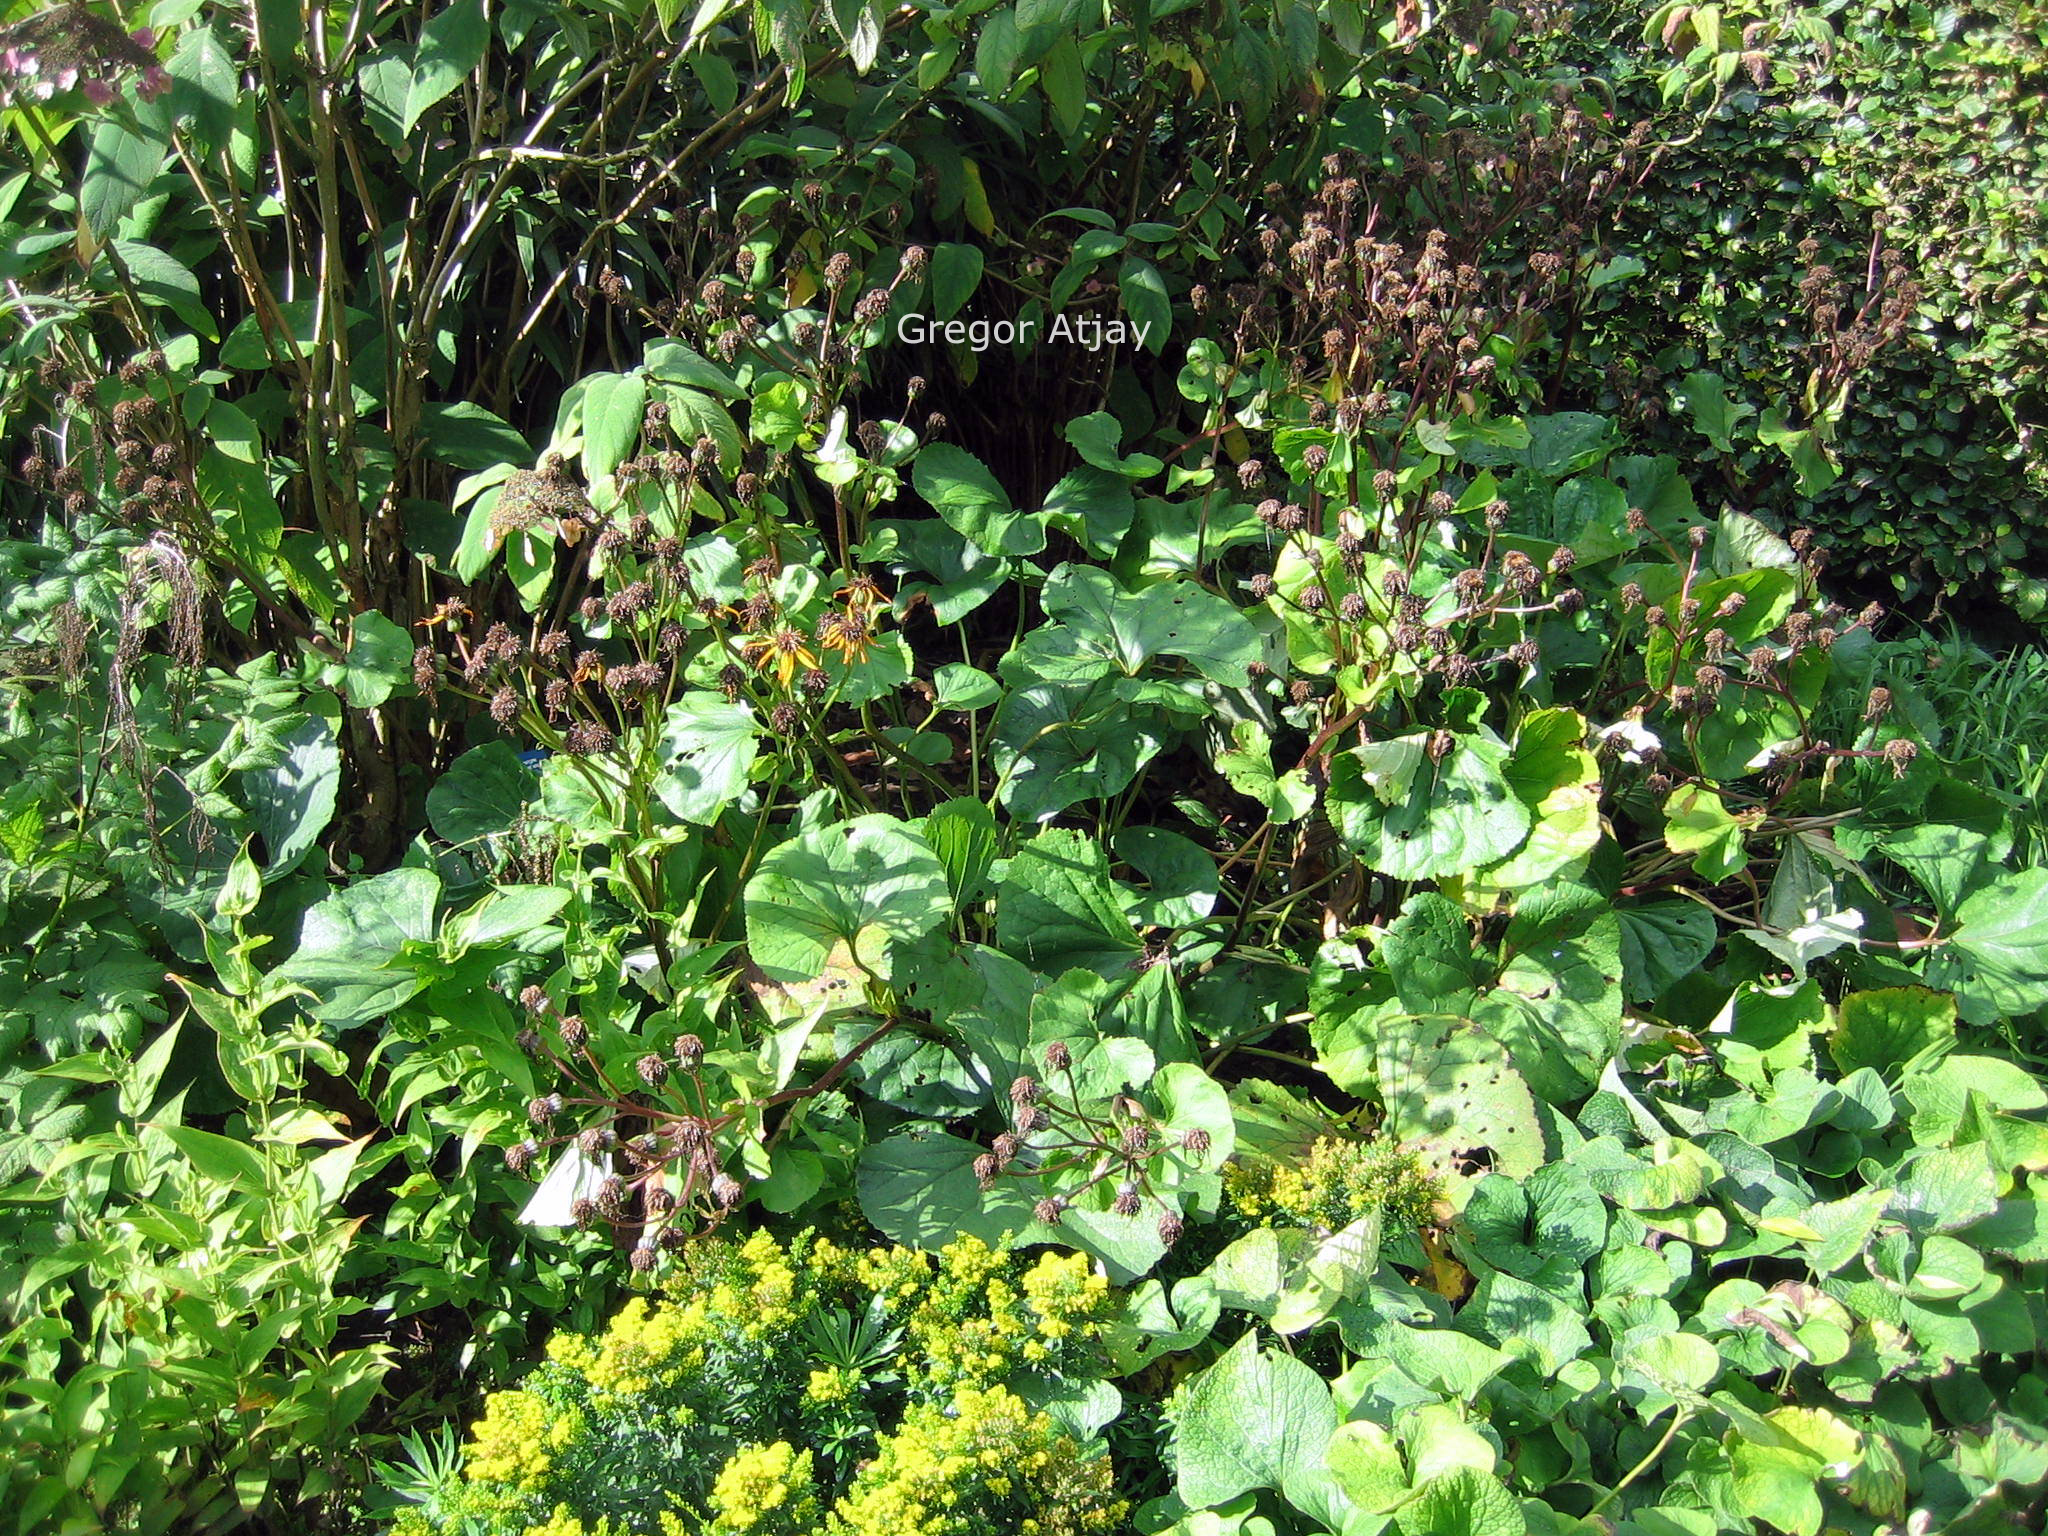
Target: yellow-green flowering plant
(936, 1393)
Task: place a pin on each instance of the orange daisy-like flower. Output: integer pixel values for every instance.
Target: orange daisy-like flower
(849, 633)
(862, 597)
(783, 652)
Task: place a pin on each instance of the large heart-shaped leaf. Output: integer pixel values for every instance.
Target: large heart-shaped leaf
(857, 884)
(1419, 809)
(707, 748)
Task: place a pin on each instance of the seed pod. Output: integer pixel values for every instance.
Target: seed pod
(1050, 1210)
(653, 1070)
(1170, 1229)
(1057, 1057)
(1127, 1202)
(727, 1191)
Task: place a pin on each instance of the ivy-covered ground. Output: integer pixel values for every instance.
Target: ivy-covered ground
(1041, 769)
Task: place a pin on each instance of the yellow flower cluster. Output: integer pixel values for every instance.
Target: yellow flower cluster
(766, 1489)
(967, 1321)
(1339, 1182)
(896, 1274)
(754, 1289)
(518, 1438)
(644, 1347)
(988, 1464)
(968, 1459)
(1068, 1295)
(834, 1384)
(563, 1523)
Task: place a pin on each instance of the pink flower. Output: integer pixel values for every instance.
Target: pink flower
(145, 37)
(98, 92)
(155, 81)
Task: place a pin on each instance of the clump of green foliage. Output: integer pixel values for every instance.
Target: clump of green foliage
(549, 731)
(1339, 1182)
(1860, 353)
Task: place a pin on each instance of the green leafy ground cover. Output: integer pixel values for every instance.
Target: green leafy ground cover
(639, 902)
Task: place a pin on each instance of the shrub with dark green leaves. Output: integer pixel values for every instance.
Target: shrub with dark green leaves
(1896, 412)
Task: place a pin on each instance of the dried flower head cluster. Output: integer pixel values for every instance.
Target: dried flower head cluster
(654, 1159)
(1073, 1149)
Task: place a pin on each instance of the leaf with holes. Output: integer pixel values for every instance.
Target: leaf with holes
(1452, 1093)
